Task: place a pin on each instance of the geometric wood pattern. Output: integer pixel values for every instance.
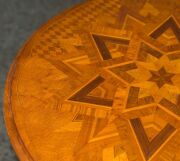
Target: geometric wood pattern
(82, 95)
(99, 82)
(147, 147)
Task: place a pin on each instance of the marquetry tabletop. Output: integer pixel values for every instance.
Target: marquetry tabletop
(99, 82)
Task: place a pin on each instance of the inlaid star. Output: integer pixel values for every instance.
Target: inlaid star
(161, 77)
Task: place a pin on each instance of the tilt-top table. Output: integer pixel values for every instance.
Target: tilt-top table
(99, 82)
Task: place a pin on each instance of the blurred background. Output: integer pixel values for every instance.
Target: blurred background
(19, 19)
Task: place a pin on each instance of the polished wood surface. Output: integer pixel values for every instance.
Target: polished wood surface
(99, 82)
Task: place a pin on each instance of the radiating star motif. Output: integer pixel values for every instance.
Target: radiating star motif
(161, 77)
(130, 89)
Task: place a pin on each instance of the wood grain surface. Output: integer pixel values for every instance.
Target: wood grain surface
(99, 82)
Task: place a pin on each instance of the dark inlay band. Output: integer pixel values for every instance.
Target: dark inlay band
(82, 95)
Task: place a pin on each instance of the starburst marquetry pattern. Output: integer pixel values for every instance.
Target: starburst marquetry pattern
(143, 76)
(101, 83)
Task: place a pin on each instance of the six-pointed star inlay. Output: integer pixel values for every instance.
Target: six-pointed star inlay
(161, 77)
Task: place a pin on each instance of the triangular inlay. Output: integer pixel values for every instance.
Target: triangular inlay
(150, 147)
(170, 23)
(82, 94)
(101, 43)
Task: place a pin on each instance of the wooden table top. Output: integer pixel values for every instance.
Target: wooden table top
(99, 82)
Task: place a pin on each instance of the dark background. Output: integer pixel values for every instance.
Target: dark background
(18, 20)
